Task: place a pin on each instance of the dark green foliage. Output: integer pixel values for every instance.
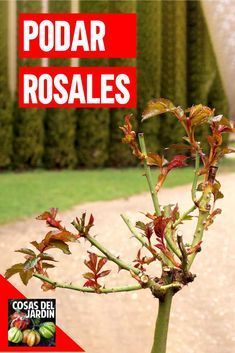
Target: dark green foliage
(93, 124)
(149, 65)
(119, 156)
(5, 100)
(174, 66)
(28, 123)
(60, 124)
(204, 81)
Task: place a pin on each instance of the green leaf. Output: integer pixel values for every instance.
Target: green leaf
(30, 263)
(45, 256)
(26, 252)
(221, 120)
(26, 275)
(59, 244)
(156, 107)
(89, 275)
(14, 269)
(155, 159)
(140, 225)
(46, 265)
(36, 245)
(200, 114)
(187, 218)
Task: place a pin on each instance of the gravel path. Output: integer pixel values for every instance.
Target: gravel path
(203, 317)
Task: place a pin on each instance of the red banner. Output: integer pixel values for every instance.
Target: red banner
(77, 35)
(77, 87)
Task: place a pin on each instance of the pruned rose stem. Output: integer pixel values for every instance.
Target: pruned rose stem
(202, 217)
(139, 237)
(121, 264)
(135, 233)
(88, 289)
(162, 290)
(184, 215)
(169, 236)
(162, 323)
(196, 176)
(149, 175)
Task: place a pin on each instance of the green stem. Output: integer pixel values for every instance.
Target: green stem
(87, 289)
(163, 290)
(162, 323)
(193, 192)
(121, 264)
(185, 214)
(169, 235)
(200, 227)
(196, 176)
(197, 235)
(149, 175)
(140, 238)
(136, 234)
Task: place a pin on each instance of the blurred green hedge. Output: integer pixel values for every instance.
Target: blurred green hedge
(175, 60)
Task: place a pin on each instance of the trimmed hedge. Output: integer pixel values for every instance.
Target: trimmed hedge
(28, 123)
(204, 81)
(60, 124)
(149, 65)
(5, 101)
(119, 154)
(175, 60)
(174, 66)
(93, 124)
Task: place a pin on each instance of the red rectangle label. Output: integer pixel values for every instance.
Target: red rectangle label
(77, 35)
(77, 87)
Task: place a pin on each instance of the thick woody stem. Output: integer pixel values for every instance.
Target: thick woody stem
(149, 175)
(162, 323)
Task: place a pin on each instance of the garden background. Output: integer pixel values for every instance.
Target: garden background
(175, 60)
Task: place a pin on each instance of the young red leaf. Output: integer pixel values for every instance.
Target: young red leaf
(177, 162)
(101, 263)
(104, 273)
(50, 218)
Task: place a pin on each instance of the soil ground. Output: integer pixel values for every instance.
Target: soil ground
(203, 316)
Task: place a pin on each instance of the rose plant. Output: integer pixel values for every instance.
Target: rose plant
(159, 234)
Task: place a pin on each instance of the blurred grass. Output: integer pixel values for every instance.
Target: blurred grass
(26, 194)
